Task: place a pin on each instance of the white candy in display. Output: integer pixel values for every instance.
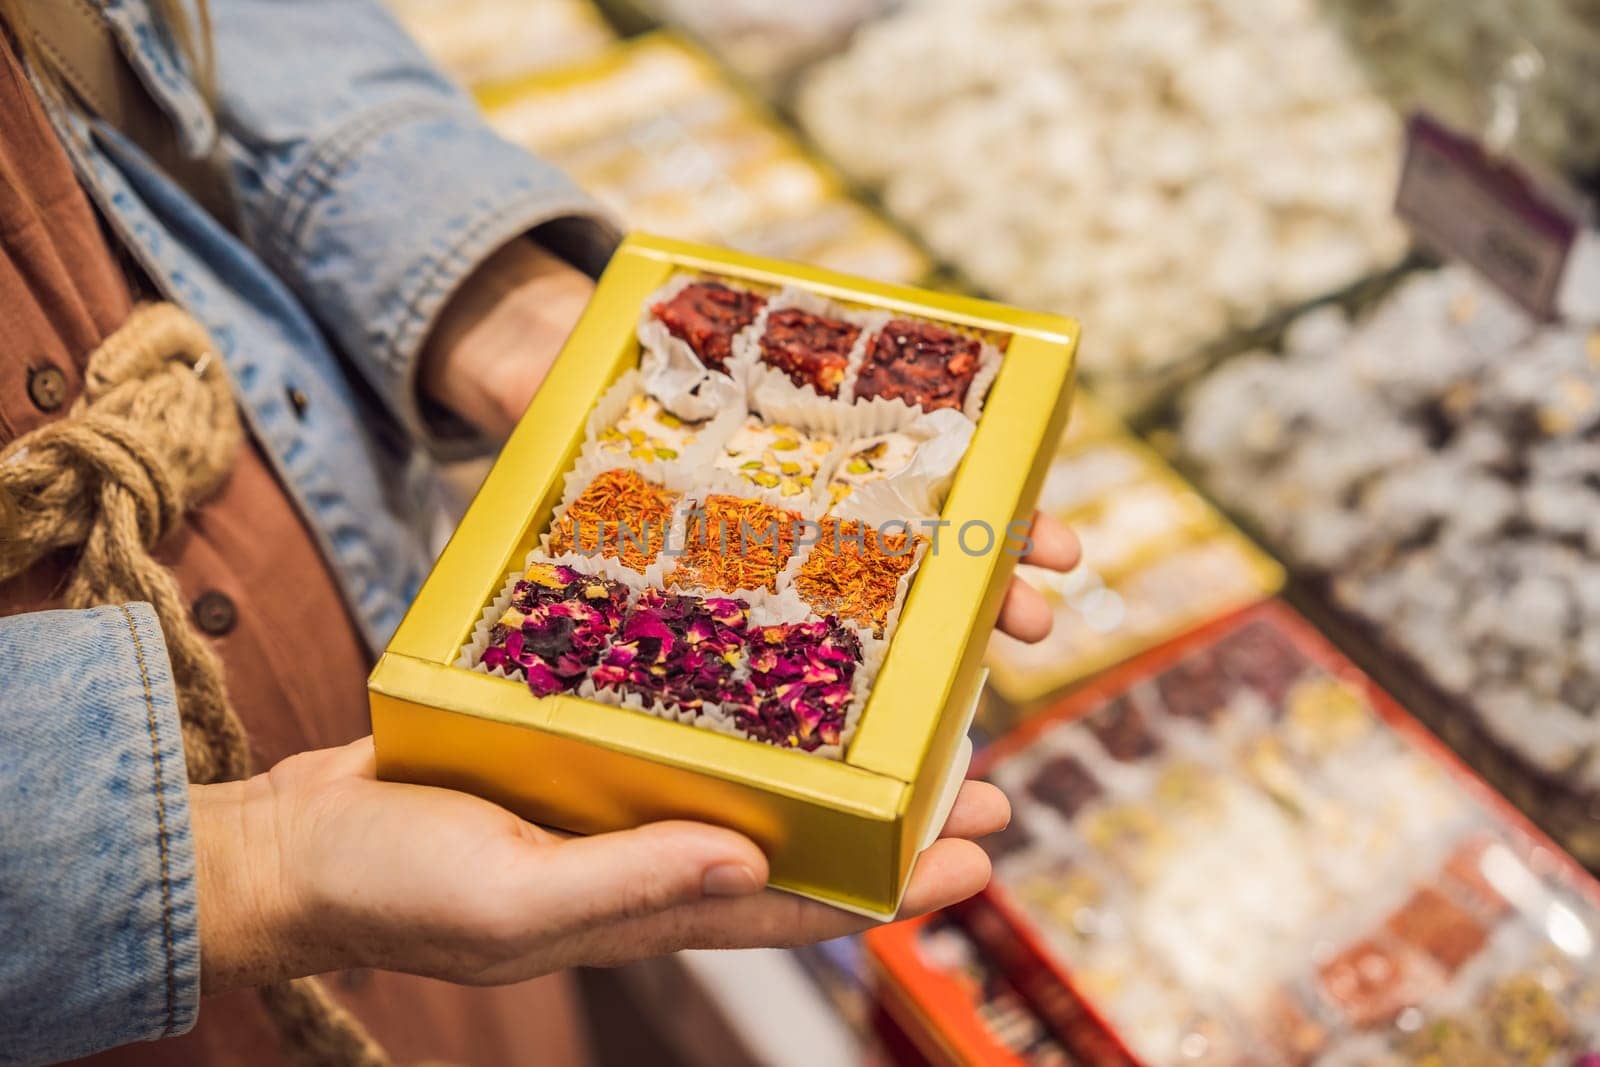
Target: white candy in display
(1164, 169)
(1436, 461)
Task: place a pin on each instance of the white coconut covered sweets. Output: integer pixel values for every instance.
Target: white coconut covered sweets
(1439, 462)
(1165, 169)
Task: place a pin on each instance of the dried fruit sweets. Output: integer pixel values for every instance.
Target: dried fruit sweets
(1373, 982)
(1440, 927)
(706, 316)
(557, 625)
(1123, 731)
(1449, 1043)
(854, 571)
(731, 543)
(1065, 784)
(919, 363)
(775, 456)
(683, 651)
(811, 349)
(619, 515)
(1525, 1020)
(648, 432)
(1195, 688)
(802, 673)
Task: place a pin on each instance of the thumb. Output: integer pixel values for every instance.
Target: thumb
(633, 873)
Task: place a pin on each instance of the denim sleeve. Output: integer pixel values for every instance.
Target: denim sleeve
(97, 892)
(370, 182)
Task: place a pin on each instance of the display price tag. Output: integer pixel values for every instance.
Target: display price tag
(1465, 204)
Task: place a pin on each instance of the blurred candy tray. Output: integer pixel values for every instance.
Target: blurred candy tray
(1453, 823)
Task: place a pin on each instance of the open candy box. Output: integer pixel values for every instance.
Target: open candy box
(738, 563)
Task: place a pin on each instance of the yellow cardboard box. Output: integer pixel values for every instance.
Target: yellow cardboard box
(844, 831)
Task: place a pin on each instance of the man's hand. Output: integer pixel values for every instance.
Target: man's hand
(317, 865)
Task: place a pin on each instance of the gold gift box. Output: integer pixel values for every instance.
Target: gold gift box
(845, 831)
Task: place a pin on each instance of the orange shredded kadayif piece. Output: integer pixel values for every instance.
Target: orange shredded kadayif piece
(620, 515)
(855, 576)
(735, 544)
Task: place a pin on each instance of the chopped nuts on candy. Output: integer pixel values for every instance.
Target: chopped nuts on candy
(648, 432)
(775, 456)
(920, 363)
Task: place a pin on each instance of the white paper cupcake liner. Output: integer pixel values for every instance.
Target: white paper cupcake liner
(988, 369)
(472, 651)
(772, 391)
(673, 374)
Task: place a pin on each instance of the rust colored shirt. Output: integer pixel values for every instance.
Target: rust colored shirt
(296, 668)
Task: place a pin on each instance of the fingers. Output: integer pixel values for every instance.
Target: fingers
(950, 871)
(769, 920)
(1054, 544)
(358, 758)
(980, 809)
(1025, 614)
(591, 881)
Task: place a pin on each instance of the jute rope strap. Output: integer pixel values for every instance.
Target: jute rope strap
(154, 433)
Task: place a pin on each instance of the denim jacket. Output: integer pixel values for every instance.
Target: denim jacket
(367, 188)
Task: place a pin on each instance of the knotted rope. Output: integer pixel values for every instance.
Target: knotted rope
(154, 433)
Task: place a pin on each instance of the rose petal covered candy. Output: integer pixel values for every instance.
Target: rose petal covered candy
(706, 316)
(556, 627)
(802, 673)
(683, 651)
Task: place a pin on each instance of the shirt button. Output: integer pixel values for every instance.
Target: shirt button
(215, 613)
(47, 388)
(298, 401)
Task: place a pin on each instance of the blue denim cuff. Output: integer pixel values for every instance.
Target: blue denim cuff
(391, 212)
(97, 886)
